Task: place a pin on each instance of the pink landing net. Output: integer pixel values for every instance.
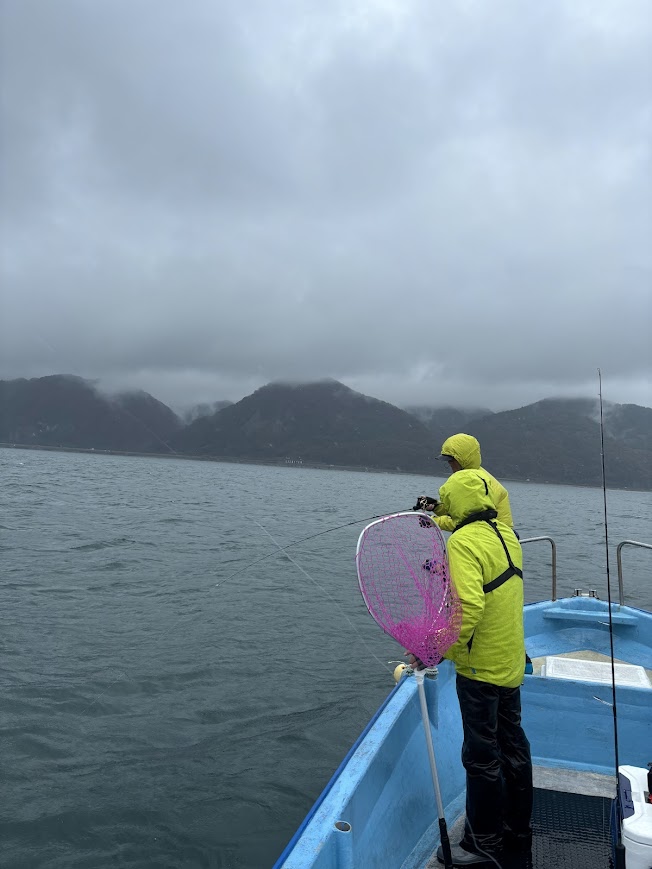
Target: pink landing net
(405, 582)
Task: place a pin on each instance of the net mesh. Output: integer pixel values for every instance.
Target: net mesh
(405, 581)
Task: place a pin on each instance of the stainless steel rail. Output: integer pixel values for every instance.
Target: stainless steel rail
(619, 559)
(554, 560)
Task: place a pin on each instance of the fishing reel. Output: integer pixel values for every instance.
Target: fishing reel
(426, 503)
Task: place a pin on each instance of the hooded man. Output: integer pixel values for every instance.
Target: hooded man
(462, 452)
(489, 656)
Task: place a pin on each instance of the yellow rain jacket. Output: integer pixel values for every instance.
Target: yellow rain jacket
(491, 645)
(466, 449)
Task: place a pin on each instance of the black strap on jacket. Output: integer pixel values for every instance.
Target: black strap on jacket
(483, 516)
(512, 570)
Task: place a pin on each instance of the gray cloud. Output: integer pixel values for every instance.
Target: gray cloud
(431, 202)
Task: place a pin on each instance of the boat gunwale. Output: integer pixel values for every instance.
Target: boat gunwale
(335, 776)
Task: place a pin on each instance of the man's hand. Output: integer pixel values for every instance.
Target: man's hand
(417, 663)
(426, 503)
(414, 662)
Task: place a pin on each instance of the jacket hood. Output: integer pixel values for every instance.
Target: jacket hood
(465, 493)
(465, 448)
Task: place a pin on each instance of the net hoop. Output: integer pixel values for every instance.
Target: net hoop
(404, 579)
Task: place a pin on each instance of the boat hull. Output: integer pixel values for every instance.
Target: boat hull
(379, 810)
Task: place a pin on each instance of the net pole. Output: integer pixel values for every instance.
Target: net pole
(443, 831)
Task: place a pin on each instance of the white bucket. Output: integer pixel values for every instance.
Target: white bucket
(637, 817)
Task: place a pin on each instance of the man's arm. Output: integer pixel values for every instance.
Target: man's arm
(501, 499)
(442, 519)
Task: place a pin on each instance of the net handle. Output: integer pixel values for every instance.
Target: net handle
(419, 675)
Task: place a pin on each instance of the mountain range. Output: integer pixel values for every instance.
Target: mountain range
(68, 411)
(328, 424)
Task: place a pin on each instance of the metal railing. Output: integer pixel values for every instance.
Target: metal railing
(554, 560)
(619, 559)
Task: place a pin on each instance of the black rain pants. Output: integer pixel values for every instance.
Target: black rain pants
(496, 756)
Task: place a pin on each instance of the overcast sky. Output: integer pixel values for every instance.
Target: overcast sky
(434, 202)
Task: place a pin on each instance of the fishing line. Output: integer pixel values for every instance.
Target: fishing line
(288, 545)
(619, 848)
(328, 595)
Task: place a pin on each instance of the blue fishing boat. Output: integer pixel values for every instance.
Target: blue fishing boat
(378, 810)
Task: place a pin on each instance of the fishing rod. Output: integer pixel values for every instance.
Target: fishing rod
(327, 594)
(423, 504)
(619, 848)
(280, 549)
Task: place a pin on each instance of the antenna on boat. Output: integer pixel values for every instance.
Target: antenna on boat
(619, 847)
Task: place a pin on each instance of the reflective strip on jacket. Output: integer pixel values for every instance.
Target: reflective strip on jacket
(466, 449)
(491, 645)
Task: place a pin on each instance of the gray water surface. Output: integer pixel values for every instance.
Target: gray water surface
(159, 711)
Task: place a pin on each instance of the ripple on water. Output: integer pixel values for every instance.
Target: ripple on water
(103, 544)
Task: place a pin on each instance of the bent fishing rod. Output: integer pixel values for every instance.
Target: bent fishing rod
(280, 549)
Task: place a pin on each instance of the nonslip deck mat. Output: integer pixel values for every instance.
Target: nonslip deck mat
(571, 831)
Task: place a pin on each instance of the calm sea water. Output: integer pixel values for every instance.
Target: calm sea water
(160, 709)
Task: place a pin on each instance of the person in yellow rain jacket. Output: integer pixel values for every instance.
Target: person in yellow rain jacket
(462, 452)
(489, 656)
(486, 566)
